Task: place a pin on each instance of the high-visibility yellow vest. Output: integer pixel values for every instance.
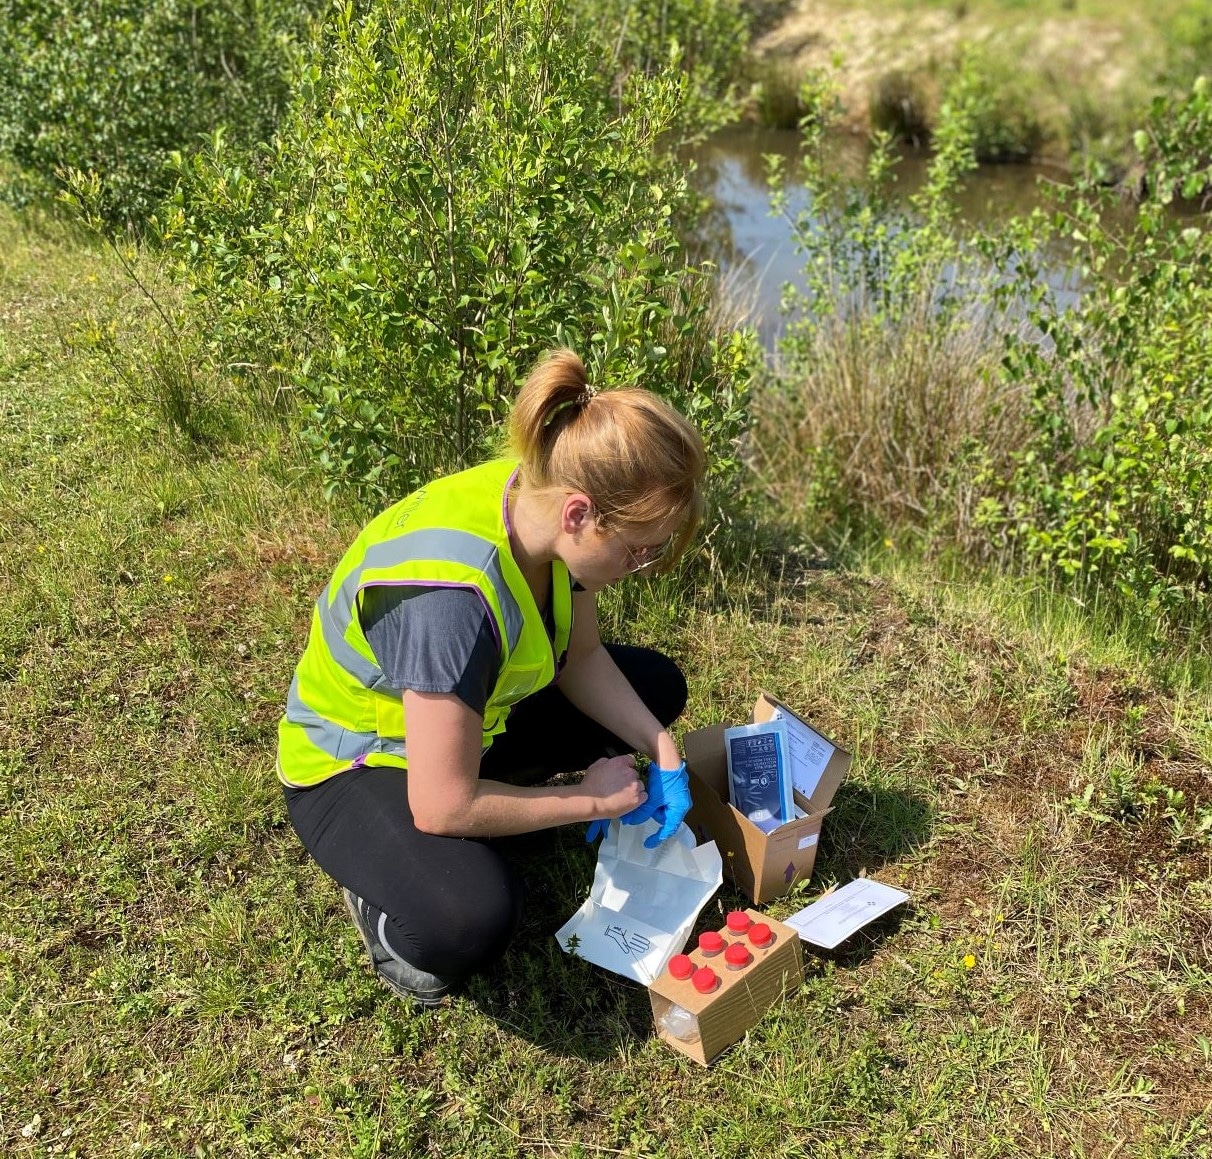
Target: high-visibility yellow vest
(340, 713)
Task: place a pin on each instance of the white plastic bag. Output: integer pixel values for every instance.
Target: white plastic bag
(643, 902)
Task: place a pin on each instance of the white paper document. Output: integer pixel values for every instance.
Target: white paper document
(643, 902)
(831, 920)
(809, 752)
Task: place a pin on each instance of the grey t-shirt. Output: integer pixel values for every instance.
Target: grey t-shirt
(432, 639)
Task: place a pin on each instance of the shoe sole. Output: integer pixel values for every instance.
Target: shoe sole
(356, 918)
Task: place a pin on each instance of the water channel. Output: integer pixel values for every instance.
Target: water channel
(755, 250)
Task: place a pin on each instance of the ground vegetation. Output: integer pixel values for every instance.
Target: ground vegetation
(1032, 741)
(1060, 82)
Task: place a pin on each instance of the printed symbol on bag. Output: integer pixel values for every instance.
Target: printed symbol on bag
(627, 942)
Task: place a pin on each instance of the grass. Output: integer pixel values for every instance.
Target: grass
(177, 978)
(883, 417)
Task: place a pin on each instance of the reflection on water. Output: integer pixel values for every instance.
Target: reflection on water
(756, 249)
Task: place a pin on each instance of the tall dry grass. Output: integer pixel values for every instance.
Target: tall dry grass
(889, 422)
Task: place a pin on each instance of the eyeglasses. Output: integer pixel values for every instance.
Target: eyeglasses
(643, 558)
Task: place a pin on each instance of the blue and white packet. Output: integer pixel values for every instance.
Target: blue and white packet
(759, 776)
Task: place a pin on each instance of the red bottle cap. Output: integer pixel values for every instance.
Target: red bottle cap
(710, 942)
(760, 934)
(705, 980)
(737, 955)
(738, 921)
(681, 967)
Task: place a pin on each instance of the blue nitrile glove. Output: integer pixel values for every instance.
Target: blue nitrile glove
(668, 801)
(598, 828)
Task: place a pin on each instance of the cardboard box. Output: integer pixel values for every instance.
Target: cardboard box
(707, 1023)
(763, 865)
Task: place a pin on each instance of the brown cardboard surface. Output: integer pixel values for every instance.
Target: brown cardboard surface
(743, 996)
(764, 866)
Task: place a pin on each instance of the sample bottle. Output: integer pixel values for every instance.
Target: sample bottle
(710, 943)
(737, 956)
(738, 922)
(681, 967)
(679, 1023)
(760, 935)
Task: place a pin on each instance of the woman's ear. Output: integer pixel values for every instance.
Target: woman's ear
(577, 514)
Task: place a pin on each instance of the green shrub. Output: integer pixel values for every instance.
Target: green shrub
(775, 91)
(114, 87)
(1098, 130)
(707, 40)
(1113, 492)
(1176, 147)
(1187, 45)
(454, 190)
(1001, 101)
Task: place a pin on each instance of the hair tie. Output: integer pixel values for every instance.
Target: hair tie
(581, 400)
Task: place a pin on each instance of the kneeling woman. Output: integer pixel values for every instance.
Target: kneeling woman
(454, 665)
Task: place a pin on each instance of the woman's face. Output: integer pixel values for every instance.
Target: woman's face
(597, 555)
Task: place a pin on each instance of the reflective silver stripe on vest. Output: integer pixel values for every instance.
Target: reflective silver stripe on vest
(436, 543)
(331, 739)
(364, 671)
(443, 543)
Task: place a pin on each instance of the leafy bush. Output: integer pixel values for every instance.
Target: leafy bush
(1001, 106)
(1187, 40)
(1176, 147)
(774, 84)
(454, 190)
(1113, 492)
(707, 39)
(113, 87)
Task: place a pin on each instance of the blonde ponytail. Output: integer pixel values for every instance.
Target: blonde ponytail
(637, 458)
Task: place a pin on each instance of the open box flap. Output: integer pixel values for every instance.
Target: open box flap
(817, 764)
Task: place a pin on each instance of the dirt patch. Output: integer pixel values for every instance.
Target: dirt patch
(1011, 740)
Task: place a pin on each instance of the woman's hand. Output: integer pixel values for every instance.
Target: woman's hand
(614, 786)
(668, 801)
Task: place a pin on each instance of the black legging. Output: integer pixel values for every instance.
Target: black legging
(453, 904)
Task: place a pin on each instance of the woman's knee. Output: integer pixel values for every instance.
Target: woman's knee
(456, 928)
(673, 692)
(657, 679)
